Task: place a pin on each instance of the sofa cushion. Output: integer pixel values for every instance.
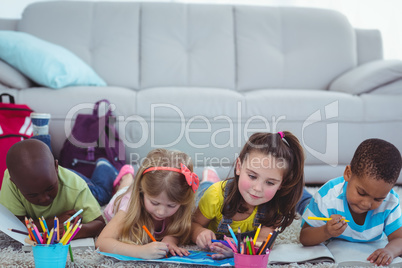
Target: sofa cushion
(368, 77)
(45, 63)
(10, 77)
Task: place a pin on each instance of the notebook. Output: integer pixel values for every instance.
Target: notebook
(337, 251)
(9, 220)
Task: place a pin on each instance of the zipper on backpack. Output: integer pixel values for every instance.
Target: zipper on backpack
(76, 161)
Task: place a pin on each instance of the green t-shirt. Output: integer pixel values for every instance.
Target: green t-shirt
(211, 204)
(73, 193)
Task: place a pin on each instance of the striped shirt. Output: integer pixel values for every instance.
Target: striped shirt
(331, 199)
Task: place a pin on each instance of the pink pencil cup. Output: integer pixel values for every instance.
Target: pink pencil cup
(251, 261)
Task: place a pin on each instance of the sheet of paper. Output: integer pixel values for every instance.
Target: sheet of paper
(9, 220)
(195, 257)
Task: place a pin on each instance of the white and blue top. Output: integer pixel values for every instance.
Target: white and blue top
(331, 199)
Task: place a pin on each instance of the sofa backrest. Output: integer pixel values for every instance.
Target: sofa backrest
(143, 45)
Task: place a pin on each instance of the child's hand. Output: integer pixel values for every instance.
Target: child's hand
(175, 250)
(221, 250)
(204, 239)
(381, 256)
(336, 226)
(155, 250)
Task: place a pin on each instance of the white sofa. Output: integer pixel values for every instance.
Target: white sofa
(201, 78)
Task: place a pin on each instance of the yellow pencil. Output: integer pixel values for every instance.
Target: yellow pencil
(42, 225)
(50, 236)
(65, 234)
(323, 219)
(72, 232)
(256, 234)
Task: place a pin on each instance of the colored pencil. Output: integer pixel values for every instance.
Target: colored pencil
(256, 234)
(232, 234)
(249, 245)
(150, 235)
(238, 237)
(71, 233)
(42, 225)
(18, 231)
(252, 247)
(26, 224)
(36, 236)
(272, 240)
(75, 233)
(323, 219)
(75, 215)
(233, 247)
(264, 244)
(37, 233)
(223, 242)
(44, 222)
(57, 228)
(49, 239)
(65, 234)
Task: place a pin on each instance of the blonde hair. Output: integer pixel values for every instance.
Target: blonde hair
(154, 183)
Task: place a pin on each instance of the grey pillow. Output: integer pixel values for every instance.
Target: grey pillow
(12, 78)
(368, 77)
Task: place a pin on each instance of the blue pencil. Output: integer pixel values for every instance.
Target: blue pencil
(75, 215)
(233, 235)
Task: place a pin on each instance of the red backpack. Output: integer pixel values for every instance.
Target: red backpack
(15, 126)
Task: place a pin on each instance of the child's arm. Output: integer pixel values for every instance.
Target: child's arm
(199, 233)
(393, 249)
(108, 241)
(310, 236)
(172, 243)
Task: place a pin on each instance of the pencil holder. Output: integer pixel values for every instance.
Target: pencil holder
(50, 255)
(248, 261)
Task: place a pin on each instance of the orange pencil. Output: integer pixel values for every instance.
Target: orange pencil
(150, 235)
(264, 244)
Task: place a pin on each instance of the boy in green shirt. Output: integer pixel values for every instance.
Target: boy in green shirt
(34, 185)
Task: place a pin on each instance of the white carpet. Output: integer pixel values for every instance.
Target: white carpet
(11, 254)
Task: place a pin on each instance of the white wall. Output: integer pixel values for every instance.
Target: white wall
(384, 15)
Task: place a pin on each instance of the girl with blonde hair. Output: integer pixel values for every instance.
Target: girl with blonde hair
(161, 198)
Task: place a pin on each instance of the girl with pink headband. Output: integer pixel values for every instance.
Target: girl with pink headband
(161, 198)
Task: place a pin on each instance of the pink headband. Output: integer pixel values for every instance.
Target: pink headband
(191, 177)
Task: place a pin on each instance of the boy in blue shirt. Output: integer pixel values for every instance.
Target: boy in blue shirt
(363, 196)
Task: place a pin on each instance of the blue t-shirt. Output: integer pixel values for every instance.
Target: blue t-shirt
(331, 199)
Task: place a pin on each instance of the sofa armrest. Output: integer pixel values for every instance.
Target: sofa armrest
(12, 78)
(368, 77)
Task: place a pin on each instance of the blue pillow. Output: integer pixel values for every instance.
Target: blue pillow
(45, 63)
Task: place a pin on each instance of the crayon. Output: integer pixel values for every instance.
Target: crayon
(323, 219)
